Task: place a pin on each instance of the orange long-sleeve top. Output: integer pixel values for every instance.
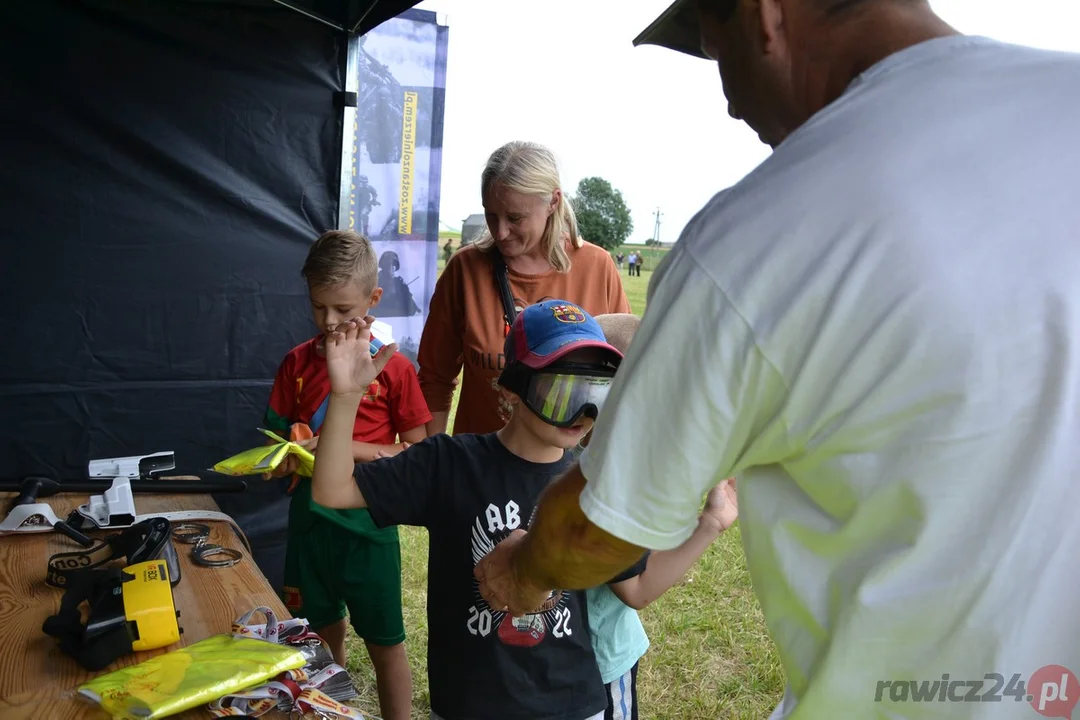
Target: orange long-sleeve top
(465, 325)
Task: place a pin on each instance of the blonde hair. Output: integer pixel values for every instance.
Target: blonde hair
(531, 169)
(619, 329)
(339, 256)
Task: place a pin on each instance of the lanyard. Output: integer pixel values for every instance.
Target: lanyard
(299, 690)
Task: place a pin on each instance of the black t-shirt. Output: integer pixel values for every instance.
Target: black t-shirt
(470, 492)
(633, 571)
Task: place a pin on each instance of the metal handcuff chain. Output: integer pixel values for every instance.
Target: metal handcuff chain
(203, 552)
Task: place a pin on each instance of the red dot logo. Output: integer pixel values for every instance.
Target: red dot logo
(1053, 691)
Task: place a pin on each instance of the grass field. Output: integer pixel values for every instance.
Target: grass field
(710, 656)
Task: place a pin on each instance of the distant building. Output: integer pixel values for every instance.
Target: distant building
(471, 228)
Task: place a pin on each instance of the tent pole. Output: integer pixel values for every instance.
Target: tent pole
(349, 145)
(310, 14)
(360, 20)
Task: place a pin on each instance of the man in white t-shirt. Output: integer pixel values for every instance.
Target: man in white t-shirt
(878, 331)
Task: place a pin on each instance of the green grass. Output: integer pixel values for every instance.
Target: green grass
(711, 656)
(636, 288)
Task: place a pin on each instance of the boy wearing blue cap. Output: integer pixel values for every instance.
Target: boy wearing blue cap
(472, 491)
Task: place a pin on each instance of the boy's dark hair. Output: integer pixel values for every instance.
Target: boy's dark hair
(340, 256)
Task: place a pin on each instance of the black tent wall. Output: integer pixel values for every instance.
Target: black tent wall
(164, 167)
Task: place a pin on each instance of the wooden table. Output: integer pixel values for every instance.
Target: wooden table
(37, 680)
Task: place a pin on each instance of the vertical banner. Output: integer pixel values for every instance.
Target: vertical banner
(396, 162)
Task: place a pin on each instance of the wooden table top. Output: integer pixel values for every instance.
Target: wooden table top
(39, 681)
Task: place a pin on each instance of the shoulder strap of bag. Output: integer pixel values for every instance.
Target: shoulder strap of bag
(150, 539)
(320, 414)
(503, 283)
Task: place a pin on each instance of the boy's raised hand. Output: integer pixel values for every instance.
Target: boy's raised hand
(348, 357)
(723, 504)
(400, 448)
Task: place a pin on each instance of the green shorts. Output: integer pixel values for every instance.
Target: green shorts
(330, 570)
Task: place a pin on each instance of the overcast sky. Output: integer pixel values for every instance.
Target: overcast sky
(651, 121)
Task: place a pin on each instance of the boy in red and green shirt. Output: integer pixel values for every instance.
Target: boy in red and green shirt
(330, 569)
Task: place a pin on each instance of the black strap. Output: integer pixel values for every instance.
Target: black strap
(148, 540)
(503, 282)
(93, 650)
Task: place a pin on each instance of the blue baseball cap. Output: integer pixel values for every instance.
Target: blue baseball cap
(545, 332)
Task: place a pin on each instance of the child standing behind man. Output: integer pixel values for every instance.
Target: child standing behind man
(618, 637)
(349, 564)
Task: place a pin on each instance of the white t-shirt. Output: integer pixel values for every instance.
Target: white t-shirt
(878, 332)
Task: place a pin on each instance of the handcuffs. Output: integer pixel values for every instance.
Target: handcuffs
(203, 552)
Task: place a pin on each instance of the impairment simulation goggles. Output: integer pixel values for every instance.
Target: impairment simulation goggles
(562, 397)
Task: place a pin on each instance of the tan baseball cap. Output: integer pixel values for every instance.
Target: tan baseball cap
(677, 28)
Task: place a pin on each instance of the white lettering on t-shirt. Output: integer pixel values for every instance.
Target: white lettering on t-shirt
(496, 521)
(479, 621)
(562, 623)
(529, 630)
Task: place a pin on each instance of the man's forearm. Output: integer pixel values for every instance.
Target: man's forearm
(563, 548)
(332, 483)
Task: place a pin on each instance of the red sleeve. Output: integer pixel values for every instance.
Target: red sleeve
(441, 344)
(282, 404)
(408, 408)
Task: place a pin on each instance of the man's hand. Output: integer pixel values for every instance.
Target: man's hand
(722, 504)
(348, 357)
(500, 586)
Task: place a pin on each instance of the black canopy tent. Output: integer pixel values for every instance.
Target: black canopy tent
(165, 165)
(354, 16)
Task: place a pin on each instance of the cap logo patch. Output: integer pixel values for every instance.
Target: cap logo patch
(568, 314)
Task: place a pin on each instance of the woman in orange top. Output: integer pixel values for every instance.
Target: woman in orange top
(532, 227)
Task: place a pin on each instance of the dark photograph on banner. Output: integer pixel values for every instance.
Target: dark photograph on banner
(405, 299)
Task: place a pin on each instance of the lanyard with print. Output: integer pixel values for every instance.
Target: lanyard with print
(293, 691)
